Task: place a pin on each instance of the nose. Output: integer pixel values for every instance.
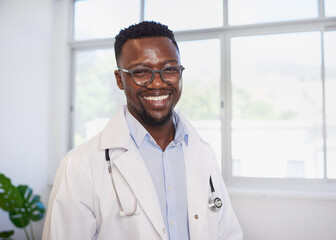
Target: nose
(157, 82)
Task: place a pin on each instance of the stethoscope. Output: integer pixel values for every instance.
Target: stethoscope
(215, 203)
(122, 213)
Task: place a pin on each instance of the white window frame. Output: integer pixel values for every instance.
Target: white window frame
(324, 188)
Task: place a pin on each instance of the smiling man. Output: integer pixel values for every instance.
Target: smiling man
(151, 97)
(160, 180)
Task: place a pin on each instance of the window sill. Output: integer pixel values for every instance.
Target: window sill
(286, 194)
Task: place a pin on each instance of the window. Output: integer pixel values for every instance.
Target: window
(200, 99)
(277, 104)
(263, 11)
(187, 14)
(96, 96)
(94, 19)
(330, 8)
(330, 89)
(259, 81)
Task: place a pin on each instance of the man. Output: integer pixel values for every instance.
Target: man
(160, 180)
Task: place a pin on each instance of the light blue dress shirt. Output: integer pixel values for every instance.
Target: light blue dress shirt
(168, 174)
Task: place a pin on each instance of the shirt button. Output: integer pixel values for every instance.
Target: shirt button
(172, 223)
(170, 188)
(196, 216)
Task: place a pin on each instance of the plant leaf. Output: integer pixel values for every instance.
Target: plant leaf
(10, 197)
(32, 208)
(6, 234)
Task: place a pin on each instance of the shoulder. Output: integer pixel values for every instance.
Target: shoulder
(111, 136)
(82, 160)
(86, 149)
(88, 159)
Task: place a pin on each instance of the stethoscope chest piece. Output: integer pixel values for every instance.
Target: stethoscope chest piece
(215, 203)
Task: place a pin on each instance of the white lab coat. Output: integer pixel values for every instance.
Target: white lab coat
(83, 203)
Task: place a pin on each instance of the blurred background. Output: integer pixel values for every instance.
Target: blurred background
(259, 86)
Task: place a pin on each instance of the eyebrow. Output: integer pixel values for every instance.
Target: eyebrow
(144, 65)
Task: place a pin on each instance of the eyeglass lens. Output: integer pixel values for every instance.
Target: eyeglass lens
(143, 76)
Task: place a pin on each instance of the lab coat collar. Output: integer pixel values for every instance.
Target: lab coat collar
(188, 128)
(138, 132)
(116, 134)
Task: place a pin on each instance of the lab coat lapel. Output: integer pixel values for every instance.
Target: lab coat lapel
(197, 193)
(134, 171)
(197, 178)
(132, 168)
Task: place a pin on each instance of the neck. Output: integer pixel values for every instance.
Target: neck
(163, 135)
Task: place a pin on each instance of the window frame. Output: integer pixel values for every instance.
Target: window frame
(322, 24)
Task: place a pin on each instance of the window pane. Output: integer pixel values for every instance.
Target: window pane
(330, 8)
(277, 106)
(185, 14)
(103, 18)
(96, 95)
(259, 11)
(200, 99)
(330, 88)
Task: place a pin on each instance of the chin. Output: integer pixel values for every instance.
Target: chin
(156, 120)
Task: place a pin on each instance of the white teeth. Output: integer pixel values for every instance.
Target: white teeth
(157, 98)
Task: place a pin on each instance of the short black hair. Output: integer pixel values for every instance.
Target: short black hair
(141, 30)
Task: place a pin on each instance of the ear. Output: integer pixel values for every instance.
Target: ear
(118, 79)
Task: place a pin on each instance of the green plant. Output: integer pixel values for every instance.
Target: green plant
(22, 206)
(6, 235)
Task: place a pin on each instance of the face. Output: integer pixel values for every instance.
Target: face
(153, 104)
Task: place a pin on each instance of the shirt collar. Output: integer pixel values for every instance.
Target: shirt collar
(138, 132)
(181, 132)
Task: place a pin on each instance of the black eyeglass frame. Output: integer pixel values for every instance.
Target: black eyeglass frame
(130, 72)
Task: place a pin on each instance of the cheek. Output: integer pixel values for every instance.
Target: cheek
(131, 92)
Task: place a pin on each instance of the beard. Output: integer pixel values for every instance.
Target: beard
(150, 119)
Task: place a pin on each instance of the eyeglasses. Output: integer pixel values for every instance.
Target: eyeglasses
(144, 76)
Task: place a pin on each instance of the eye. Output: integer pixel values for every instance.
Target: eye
(171, 70)
(141, 72)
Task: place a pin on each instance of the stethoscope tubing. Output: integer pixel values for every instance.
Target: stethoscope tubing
(122, 213)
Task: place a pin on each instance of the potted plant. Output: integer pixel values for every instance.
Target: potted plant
(22, 207)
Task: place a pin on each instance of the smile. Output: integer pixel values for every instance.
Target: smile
(156, 98)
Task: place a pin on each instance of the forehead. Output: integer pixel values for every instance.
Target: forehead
(150, 50)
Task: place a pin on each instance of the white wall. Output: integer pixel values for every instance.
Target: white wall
(34, 96)
(27, 55)
(285, 217)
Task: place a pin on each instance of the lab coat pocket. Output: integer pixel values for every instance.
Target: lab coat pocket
(211, 225)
